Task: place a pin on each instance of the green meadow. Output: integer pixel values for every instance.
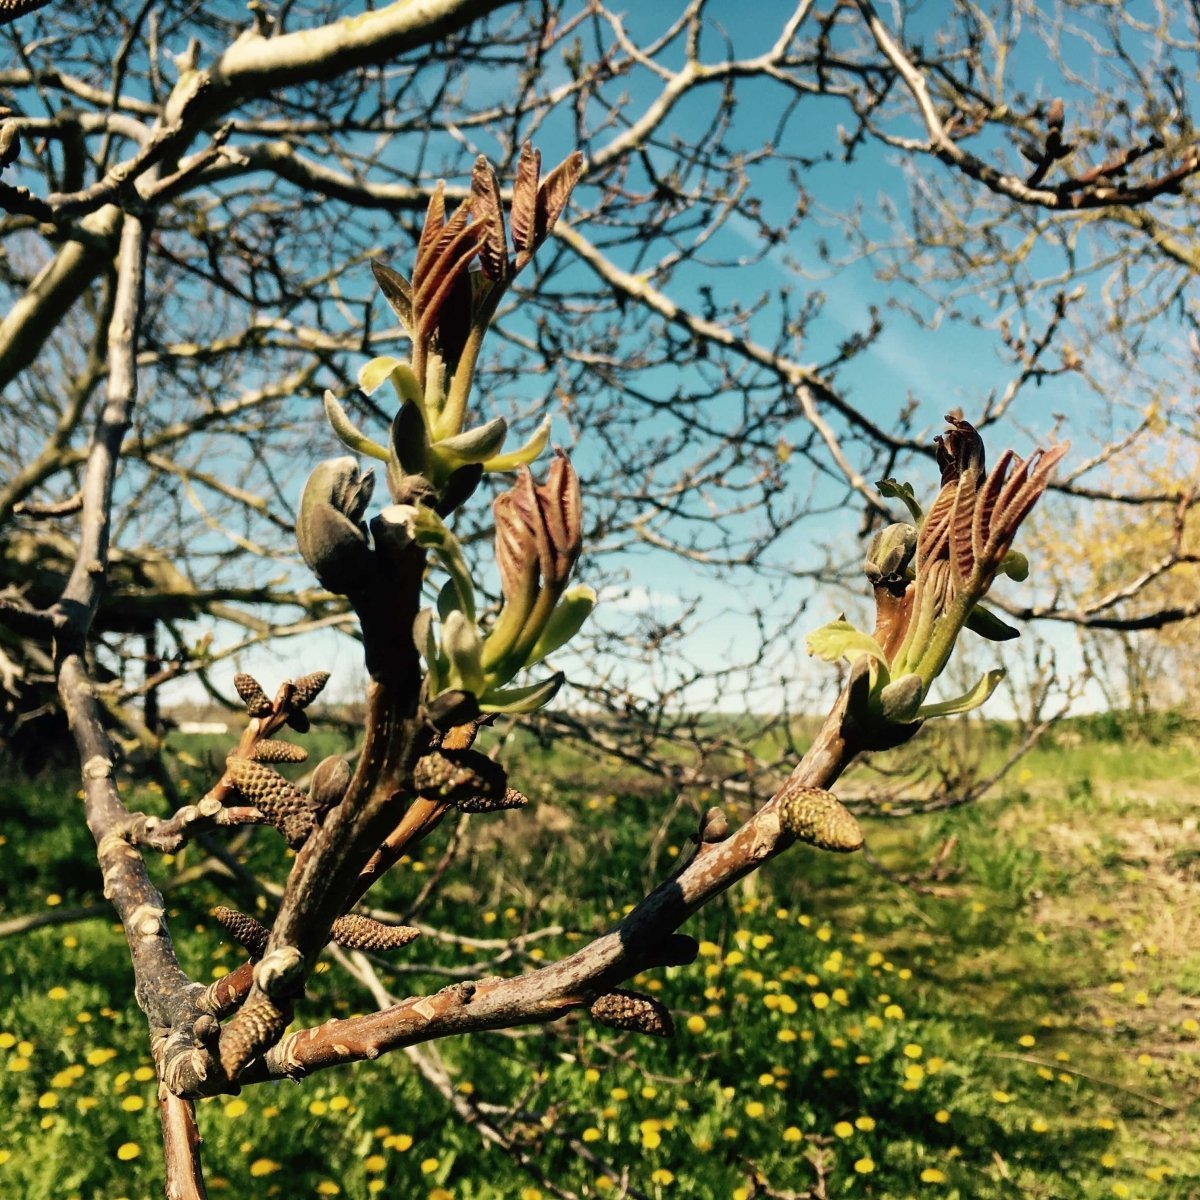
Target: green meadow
(1005, 1002)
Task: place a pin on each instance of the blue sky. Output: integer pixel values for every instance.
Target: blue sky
(954, 364)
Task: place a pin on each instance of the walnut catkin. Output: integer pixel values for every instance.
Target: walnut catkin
(815, 816)
(250, 934)
(255, 1027)
(356, 932)
(253, 697)
(620, 1009)
(284, 805)
(308, 687)
(269, 750)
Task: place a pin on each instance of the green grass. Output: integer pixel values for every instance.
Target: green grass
(1025, 1024)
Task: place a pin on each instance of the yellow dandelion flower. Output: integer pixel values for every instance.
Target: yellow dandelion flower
(1038, 1125)
(318, 1108)
(843, 1129)
(912, 1050)
(58, 993)
(328, 1188)
(651, 1139)
(864, 1166)
(866, 1124)
(238, 1107)
(893, 1012)
(941, 1116)
(710, 950)
(695, 1024)
(127, 1151)
(820, 1000)
(792, 1134)
(338, 1103)
(662, 1177)
(133, 1103)
(144, 1074)
(48, 1100)
(914, 1072)
(429, 1165)
(5, 1155)
(1001, 1097)
(263, 1166)
(1027, 1040)
(786, 1035)
(754, 1109)
(99, 1056)
(933, 1175)
(591, 1134)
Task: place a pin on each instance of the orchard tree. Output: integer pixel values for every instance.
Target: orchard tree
(197, 210)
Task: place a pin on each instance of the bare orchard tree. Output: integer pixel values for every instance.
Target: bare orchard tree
(417, 761)
(272, 156)
(192, 205)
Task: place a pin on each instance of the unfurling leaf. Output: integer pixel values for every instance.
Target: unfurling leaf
(397, 291)
(348, 433)
(522, 699)
(474, 445)
(967, 701)
(840, 639)
(565, 622)
(525, 454)
(893, 489)
(986, 624)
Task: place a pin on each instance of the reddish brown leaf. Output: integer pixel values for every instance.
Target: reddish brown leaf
(397, 291)
(486, 208)
(523, 217)
(553, 195)
(435, 220)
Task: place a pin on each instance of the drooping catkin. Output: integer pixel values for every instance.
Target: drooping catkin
(466, 778)
(817, 817)
(632, 1011)
(284, 805)
(269, 751)
(356, 932)
(250, 934)
(255, 1027)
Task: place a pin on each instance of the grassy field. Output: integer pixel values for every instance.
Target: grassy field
(1025, 1024)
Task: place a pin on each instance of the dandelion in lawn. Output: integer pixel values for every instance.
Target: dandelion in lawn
(864, 1166)
(429, 1165)
(264, 1166)
(127, 1151)
(933, 1175)
(843, 1129)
